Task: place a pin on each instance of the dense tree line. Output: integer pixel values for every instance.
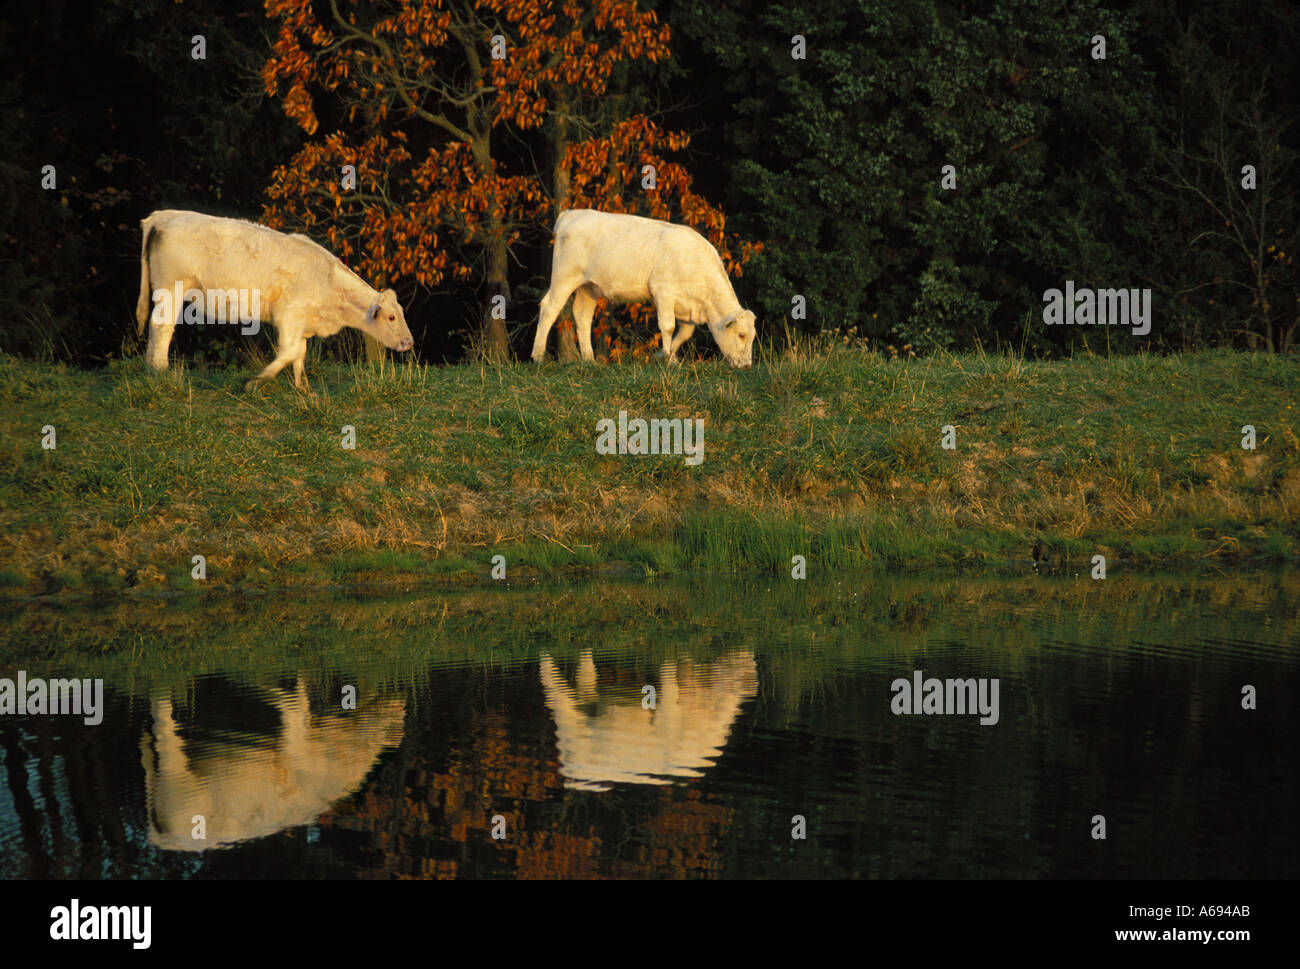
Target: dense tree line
(821, 129)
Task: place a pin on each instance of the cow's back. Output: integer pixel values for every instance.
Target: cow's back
(220, 253)
(625, 256)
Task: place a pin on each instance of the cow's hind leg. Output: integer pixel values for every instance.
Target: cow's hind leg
(552, 303)
(161, 331)
(584, 305)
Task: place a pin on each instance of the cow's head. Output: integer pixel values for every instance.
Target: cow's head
(735, 338)
(386, 322)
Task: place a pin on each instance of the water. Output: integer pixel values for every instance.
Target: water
(521, 711)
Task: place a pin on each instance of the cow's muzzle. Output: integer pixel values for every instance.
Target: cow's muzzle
(404, 345)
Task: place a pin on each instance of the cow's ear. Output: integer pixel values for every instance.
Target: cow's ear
(730, 321)
(374, 311)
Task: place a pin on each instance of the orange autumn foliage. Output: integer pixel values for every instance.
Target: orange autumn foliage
(415, 102)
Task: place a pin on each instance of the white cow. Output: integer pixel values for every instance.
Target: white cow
(301, 288)
(626, 258)
(245, 786)
(605, 735)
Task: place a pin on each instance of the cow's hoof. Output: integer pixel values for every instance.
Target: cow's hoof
(251, 386)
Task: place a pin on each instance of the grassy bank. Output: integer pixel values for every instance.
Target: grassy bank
(834, 455)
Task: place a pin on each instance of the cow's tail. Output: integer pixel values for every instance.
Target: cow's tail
(143, 304)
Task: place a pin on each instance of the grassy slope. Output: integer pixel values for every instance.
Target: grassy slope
(833, 455)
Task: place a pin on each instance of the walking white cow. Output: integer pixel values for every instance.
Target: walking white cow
(627, 258)
(300, 288)
(248, 786)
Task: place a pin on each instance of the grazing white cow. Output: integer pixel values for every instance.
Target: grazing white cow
(300, 288)
(606, 736)
(626, 258)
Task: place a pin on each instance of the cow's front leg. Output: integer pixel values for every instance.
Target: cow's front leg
(285, 355)
(666, 326)
(684, 332)
(300, 370)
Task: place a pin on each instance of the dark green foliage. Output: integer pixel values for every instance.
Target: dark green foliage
(1067, 167)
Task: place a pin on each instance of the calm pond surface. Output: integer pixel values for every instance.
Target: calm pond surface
(522, 711)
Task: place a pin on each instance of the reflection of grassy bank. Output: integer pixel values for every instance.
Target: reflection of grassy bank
(801, 632)
(1127, 684)
(835, 457)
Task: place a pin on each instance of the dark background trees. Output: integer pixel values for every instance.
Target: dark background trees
(1067, 167)
(1119, 172)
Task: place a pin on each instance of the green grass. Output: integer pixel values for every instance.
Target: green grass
(834, 455)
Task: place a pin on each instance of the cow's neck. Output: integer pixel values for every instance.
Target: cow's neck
(356, 303)
(725, 304)
(354, 288)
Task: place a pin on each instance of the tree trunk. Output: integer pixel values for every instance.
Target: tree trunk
(566, 340)
(560, 184)
(495, 338)
(566, 337)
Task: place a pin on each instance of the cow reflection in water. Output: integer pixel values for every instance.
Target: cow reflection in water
(605, 736)
(250, 785)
